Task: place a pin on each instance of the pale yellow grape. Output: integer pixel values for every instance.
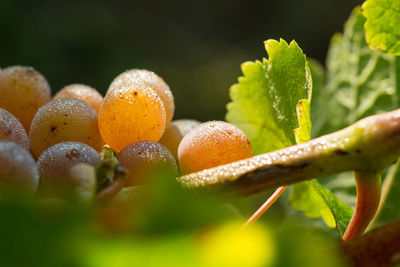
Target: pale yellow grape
(151, 80)
(82, 92)
(55, 167)
(12, 130)
(142, 158)
(175, 132)
(18, 170)
(212, 144)
(23, 91)
(131, 114)
(64, 119)
(82, 183)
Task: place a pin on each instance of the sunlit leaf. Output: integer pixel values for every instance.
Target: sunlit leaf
(382, 25)
(265, 99)
(360, 81)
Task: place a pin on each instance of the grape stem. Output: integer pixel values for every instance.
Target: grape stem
(267, 204)
(111, 176)
(368, 146)
(105, 171)
(368, 186)
(110, 191)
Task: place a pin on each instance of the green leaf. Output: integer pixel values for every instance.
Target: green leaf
(271, 103)
(360, 81)
(303, 132)
(265, 99)
(382, 25)
(305, 198)
(340, 210)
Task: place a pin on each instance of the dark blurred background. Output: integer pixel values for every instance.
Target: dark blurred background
(196, 46)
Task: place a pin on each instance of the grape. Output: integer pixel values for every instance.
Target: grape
(152, 80)
(175, 132)
(55, 167)
(82, 92)
(131, 114)
(64, 119)
(18, 171)
(83, 183)
(12, 130)
(211, 144)
(141, 158)
(23, 91)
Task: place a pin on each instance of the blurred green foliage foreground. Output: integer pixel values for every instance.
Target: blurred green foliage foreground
(158, 225)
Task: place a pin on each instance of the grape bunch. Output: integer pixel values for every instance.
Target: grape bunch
(80, 147)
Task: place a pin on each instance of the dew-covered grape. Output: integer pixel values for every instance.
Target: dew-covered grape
(151, 80)
(82, 92)
(64, 119)
(55, 165)
(212, 144)
(82, 183)
(142, 158)
(12, 130)
(175, 132)
(23, 91)
(18, 170)
(131, 114)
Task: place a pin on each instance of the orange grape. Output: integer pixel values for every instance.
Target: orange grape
(64, 119)
(152, 80)
(82, 92)
(12, 130)
(175, 132)
(23, 91)
(212, 144)
(141, 158)
(131, 114)
(54, 164)
(18, 171)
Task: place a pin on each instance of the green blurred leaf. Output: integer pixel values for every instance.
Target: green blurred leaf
(382, 25)
(390, 201)
(164, 207)
(264, 101)
(308, 246)
(360, 81)
(223, 245)
(166, 250)
(42, 235)
(57, 235)
(317, 106)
